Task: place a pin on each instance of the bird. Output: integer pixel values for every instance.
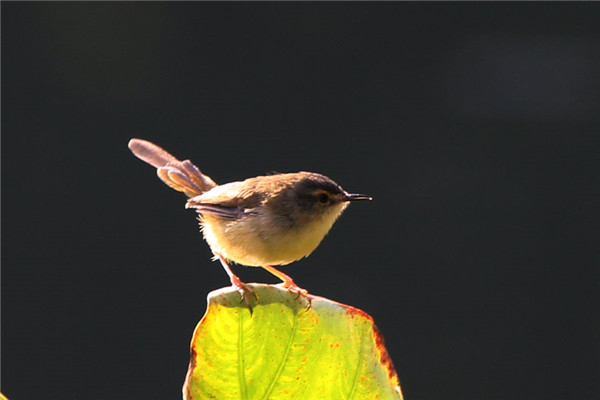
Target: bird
(263, 221)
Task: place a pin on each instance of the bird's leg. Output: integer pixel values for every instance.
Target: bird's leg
(244, 289)
(288, 283)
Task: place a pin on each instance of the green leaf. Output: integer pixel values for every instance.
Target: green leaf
(287, 350)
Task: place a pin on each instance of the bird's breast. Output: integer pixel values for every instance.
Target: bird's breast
(259, 239)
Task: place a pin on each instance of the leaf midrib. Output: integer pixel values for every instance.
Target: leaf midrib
(241, 373)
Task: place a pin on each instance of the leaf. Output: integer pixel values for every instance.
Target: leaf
(287, 350)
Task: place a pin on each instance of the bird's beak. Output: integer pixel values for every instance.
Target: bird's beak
(354, 196)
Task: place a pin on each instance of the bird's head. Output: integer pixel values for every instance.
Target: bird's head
(314, 196)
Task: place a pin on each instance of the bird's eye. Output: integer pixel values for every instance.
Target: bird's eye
(323, 198)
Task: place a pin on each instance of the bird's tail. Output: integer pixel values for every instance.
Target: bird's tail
(182, 176)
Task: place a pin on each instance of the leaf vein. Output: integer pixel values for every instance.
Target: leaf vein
(353, 389)
(241, 374)
(284, 357)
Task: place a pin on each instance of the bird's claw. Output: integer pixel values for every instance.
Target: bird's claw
(246, 293)
(300, 293)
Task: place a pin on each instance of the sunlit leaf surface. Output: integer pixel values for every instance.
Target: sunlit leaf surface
(287, 350)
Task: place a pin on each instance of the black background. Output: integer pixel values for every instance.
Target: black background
(474, 126)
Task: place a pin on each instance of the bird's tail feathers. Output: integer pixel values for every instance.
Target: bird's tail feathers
(182, 176)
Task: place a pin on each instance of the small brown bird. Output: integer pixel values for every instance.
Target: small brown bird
(260, 222)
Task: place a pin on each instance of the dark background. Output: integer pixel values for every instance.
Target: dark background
(474, 126)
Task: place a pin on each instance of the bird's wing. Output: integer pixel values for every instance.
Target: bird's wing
(232, 213)
(231, 200)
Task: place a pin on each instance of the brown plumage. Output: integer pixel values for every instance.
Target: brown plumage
(261, 221)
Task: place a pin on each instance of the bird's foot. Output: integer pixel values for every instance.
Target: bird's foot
(288, 283)
(245, 291)
(300, 293)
